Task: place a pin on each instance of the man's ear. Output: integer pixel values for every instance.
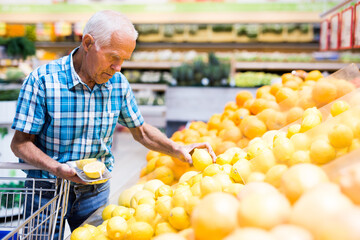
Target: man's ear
(88, 42)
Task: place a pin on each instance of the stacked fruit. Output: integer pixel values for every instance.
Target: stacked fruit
(266, 182)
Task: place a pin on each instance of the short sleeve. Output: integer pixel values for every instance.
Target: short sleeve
(130, 115)
(30, 110)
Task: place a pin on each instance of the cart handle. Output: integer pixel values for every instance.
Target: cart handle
(11, 165)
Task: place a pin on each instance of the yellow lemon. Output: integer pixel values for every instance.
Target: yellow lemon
(141, 231)
(122, 211)
(273, 176)
(163, 228)
(163, 206)
(81, 233)
(209, 185)
(164, 190)
(293, 129)
(178, 218)
(94, 169)
(126, 196)
(212, 169)
(339, 107)
(234, 188)
(321, 152)
(106, 214)
(299, 157)
(116, 227)
(94, 230)
(263, 161)
(240, 171)
(81, 163)
(201, 159)
(224, 159)
(256, 177)
(193, 201)
(283, 149)
(300, 141)
(153, 185)
(310, 122)
(340, 136)
(145, 213)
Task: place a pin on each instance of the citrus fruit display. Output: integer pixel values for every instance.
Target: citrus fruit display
(269, 180)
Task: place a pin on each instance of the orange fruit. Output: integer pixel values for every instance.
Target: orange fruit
(252, 127)
(275, 88)
(313, 75)
(324, 92)
(258, 105)
(339, 107)
(164, 174)
(242, 97)
(286, 98)
(261, 91)
(214, 121)
(340, 136)
(277, 121)
(231, 134)
(248, 103)
(221, 147)
(239, 114)
(226, 123)
(231, 106)
(215, 216)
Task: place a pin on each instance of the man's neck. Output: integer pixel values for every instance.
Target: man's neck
(78, 60)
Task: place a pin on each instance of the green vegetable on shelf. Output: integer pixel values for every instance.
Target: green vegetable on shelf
(9, 95)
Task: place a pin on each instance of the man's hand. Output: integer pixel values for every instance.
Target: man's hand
(187, 150)
(66, 172)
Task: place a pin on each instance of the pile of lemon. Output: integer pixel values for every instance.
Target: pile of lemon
(267, 183)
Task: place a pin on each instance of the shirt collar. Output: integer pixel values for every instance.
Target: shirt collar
(75, 79)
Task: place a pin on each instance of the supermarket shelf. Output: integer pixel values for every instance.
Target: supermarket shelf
(290, 66)
(263, 66)
(204, 46)
(150, 65)
(146, 86)
(173, 17)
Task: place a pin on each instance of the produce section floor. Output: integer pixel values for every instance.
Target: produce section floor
(129, 159)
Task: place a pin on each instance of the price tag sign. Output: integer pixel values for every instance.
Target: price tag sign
(334, 32)
(346, 36)
(62, 29)
(357, 26)
(324, 35)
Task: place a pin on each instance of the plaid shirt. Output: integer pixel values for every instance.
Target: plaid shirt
(70, 121)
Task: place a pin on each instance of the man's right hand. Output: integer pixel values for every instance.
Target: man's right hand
(66, 172)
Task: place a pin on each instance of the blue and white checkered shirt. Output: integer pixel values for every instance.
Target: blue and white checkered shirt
(71, 121)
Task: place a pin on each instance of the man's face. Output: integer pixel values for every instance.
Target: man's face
(104, 62)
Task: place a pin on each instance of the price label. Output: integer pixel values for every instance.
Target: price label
(346, 36)
(334, 32)
(324, 35)
(357, 26)
(2, 28)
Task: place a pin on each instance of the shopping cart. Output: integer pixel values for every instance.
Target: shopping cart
(40, 224)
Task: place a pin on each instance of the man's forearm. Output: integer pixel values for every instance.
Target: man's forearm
(154, 139)
(24, 148)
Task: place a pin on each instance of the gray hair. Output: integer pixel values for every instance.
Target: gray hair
(104, 23)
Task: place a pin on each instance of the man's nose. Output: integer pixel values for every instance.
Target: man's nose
(116, 67)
